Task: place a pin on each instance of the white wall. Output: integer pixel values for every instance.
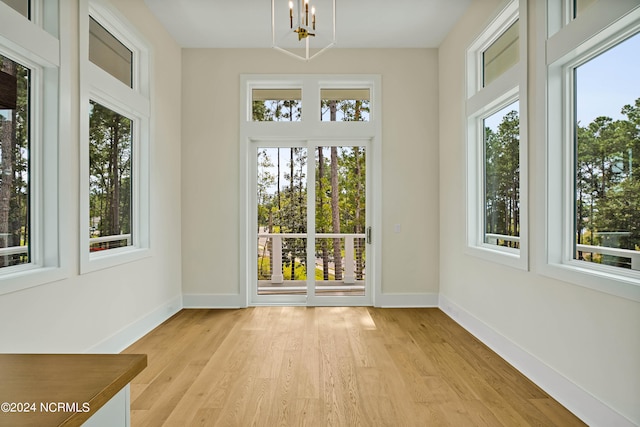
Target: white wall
(590, 338)
(102, 311)
(210, 150)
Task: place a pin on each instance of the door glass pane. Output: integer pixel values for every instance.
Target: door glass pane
(110, 149)
(108, 53)
(501, 55)
(22, 6)
(340, 255)
(345, 105)
(276, 105)
(607, 160)
(282, 220)
(15, 227)
(502, 177)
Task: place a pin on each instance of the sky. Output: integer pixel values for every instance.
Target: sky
(609, 81)
(605, 84)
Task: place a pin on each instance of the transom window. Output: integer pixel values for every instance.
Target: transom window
(345, 105)
(325, 102)
(276, 105)
(109, 53)
(501, 55)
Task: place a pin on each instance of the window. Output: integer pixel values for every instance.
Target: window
(30, 140)
(345, 105)
(15, 129)
(502, 178)
(607, 168)
(115, 134)
(276, 105)
(108, 53)
(110, 148)
(496, 140)
(503, 54)
(592, 227)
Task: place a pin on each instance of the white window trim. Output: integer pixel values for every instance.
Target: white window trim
(134, 103)
(42, 44)
(599, 27)
(481, 103)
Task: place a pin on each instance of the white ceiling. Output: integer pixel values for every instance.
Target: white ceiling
(359, 23)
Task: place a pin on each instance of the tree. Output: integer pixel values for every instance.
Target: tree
(110, 171)
(607, 209)
(502, 177)
(14, 165)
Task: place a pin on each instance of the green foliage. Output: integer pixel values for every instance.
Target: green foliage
(502, 178)
(282, 206)
(14, 179)
(608, 181)
(110, 150)
(277, 110)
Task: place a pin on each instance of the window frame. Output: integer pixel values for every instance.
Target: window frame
(562, 46)
(133, 102)
(41, 44)
(482, 102)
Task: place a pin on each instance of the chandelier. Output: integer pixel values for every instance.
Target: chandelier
(297, 33)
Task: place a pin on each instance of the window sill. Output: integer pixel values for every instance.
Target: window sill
(112, 258)
(595, 277)
(28, 277)
(499, 255)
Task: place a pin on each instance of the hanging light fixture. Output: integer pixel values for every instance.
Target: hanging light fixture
(300, 38)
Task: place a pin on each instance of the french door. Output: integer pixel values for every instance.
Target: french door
(312, 230)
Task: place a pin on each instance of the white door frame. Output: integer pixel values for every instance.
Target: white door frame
(309, 131)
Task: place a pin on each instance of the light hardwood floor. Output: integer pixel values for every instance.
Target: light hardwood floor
(356, 366)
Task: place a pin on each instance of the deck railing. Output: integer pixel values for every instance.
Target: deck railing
(494, 239)
(634, 256)
(349, 275)
(108, 239)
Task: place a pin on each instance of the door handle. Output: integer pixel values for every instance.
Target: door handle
(369, 234)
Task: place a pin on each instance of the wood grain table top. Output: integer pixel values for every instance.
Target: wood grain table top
(61, 389)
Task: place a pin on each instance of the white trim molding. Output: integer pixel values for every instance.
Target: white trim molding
(577, 400)
(131, 333)
(426, 300)
(223, 301)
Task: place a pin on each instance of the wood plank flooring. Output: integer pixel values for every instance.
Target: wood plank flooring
(329, 366)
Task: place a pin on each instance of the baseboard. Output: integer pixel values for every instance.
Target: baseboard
(212, 301)
(236, 301)
(580, 402)
(137, 329)
(406, 300)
